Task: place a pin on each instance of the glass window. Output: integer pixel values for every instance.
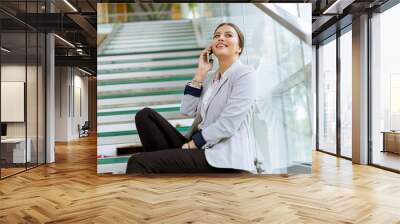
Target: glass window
(385, 86)
(327, 96)
(346, 94)
(22, 90)
(15, 151)
(283, 67)
(31, 96)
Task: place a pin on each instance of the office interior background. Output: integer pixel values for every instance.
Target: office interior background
(48, 81)
(48, 168)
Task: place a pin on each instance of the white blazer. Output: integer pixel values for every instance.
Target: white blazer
(226, 136)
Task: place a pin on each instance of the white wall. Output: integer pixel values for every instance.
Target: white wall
(70, 83)
(62, 80)
(79, 117)
(15, 73)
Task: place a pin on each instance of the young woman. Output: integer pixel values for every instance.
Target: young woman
(222, 102)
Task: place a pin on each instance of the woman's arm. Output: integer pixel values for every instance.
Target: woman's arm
(190, 100)
(238, 105)
(192, 93)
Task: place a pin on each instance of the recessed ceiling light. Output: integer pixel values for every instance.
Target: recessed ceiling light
(70, 5)
(86, 72)
(5, 49)
(338, 6)
(64, 40)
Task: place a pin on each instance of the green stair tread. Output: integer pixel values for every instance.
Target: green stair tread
(112, 160)
(126, 112)
(121, 40)
(132, 132)
(144, 80)
(152, 52)
(138, 35)
(138, 94)
(134, 50)
(155, 43)
(112, 62)
(147, 69)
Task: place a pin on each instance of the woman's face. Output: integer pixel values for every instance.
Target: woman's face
(225, 42)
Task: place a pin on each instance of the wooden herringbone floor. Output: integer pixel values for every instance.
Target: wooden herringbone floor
(70, 191)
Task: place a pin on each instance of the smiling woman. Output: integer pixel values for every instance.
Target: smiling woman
(196, 78)
(222, 102)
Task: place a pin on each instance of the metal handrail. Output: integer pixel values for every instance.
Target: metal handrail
(290, 22)
(108, 38)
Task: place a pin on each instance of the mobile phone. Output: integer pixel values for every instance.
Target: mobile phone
(209, 56)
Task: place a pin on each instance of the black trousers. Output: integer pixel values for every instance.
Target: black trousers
(163, 149)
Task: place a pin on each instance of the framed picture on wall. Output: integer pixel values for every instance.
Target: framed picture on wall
(12, 101)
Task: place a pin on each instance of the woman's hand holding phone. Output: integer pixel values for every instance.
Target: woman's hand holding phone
(205, 64)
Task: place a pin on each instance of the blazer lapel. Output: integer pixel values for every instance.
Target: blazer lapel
(222, 81)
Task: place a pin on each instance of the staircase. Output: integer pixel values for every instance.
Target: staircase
(143, 64)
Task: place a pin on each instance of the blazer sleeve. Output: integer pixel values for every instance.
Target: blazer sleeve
(239, 103)
(190, 100)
